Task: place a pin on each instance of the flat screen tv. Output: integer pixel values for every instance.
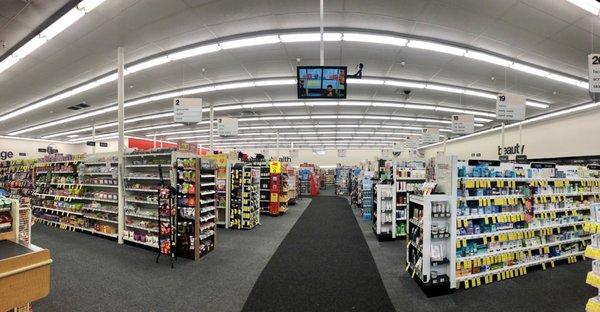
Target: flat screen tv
(322, 82)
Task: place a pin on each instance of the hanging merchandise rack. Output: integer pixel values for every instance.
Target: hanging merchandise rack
(167, 218)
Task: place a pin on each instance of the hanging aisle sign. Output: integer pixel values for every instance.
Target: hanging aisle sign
(463, 124)
(341, 153)
(227, 126)
(594, 72)
(510, 106)
(412, 142)
(294, 153)
(398, 148)
(187, 109)
(430, 135)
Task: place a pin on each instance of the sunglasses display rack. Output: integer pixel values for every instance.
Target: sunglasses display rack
(409, 175)
(65, 197)
(16, 177)
(144, 174)
(384, 217)
(251, 181)
(236, 179)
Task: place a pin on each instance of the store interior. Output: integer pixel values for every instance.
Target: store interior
(323, 155)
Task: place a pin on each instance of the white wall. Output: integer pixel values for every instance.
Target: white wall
(574, 135)
(30, 148)
(330, 158)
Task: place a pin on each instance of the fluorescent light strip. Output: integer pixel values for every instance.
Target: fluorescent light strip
(591, 6)
(50, 32)
(271, 39)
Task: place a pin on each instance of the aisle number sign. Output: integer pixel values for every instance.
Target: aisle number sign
(341, 153)
(227, 126)
(275, 167)
(594, 72)
(430, 135)
(463, 124)
(293, 153)
(412, 142)
(510, 106)
(398, 148)
(187, 109)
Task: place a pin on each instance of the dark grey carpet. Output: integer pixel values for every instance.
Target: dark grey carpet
(94, 274)
(323, 264)
(560, 289)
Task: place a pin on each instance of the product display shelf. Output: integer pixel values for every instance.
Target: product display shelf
(207, 226)
(66, 197)
(384, 218)
(264, 187)
(292, 183)
(284, 197)
(16, 178)
(409, 175)
(9, 218)
(188, 207)
(592, 251)
(236, 180)
(148, 171)
(222, 190)
(342, 181)
(429, 242)
(367, 197)
(513, 217)
(251, 180)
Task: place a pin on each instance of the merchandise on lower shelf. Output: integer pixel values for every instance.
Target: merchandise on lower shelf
(384, 217)
(236, 181)
(252, 178)
(16, 178)
(409, 176)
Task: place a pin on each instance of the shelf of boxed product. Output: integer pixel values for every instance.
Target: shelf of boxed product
(409, 175)
(429, 247)
(512, 217)
(68, 197)
(144, 174)
(384, 218)
(9, 218)
(592, 251)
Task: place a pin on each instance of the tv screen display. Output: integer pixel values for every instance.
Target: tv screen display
(315, 82)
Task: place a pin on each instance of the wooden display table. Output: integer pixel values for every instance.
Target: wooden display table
(24, 274)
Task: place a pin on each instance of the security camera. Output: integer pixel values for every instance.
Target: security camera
(403, 63)
(298, 60)
(407, 92)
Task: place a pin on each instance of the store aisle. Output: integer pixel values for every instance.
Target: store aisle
(323, 264)
(95, 274)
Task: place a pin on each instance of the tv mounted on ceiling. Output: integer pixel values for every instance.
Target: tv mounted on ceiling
(322, 82)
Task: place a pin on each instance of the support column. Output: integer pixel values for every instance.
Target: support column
(321, 44)
(94, 138)
(212, 119)
(121, 129)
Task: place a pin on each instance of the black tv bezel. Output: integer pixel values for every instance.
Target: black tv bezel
(321, 67)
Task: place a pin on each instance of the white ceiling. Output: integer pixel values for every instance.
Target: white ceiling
(549, 33)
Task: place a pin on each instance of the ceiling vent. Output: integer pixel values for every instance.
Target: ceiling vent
(79, 106)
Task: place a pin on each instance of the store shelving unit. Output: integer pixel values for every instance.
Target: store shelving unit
(592, 251)
(409, 175)
(251, 209)
(384, 218)
(264, 187)
(207, 226)
(9, 219)
(342, 181)
(292, 184)
(145, 173)
(71, 194)
(367, 197)
(16, 177)
(236, 181)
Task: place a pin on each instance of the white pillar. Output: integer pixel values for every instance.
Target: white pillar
(212, 119)
(154, 139)
(502, 137)
(94, 138)
(120, 118)
(321, 44)
(277, 145)
(521, 133)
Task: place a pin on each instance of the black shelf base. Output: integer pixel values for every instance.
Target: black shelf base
(383, 237)
(433, 290)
